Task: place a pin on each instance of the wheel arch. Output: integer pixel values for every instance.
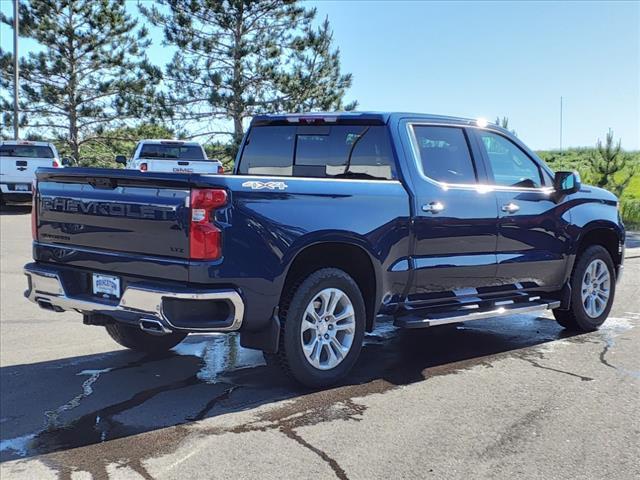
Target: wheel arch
(346, 255)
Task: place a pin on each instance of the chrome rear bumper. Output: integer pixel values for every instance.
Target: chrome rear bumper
(47, 290)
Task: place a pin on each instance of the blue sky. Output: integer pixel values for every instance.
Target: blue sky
(484, 59)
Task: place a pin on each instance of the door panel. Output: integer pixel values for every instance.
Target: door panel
(454, 249)
(455, 223)
(532, 239)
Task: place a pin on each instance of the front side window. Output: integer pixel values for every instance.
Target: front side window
(444, 154)
(510, 165)
(26, 151)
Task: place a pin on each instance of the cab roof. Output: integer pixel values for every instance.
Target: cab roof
(369, 118)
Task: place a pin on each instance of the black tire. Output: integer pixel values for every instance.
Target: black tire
(290, 356)
(135, 339)
(576, 318)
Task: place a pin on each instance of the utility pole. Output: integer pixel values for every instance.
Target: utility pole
(16, 78)
(560, 123)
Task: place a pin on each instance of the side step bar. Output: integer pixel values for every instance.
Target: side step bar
(466, 314)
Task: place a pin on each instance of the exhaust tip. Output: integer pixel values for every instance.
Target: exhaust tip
(154, 327)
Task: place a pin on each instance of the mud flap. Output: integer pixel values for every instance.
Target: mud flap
(266, 339)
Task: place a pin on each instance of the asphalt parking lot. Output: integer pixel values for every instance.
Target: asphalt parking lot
(515, 397)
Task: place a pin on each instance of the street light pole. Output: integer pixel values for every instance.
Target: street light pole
(560, 123)
(16, 78)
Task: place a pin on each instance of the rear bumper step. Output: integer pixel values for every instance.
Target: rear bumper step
(151, 305)
(475, 312)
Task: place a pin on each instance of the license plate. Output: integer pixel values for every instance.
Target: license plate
(106, 285)
(22, 187)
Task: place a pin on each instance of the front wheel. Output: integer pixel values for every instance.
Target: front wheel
(135, 339)
(322, 322)
(592, 289)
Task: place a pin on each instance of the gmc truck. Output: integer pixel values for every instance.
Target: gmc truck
(329, 221)
(19, 160)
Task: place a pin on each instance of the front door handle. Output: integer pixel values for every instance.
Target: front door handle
(433, 207)
(510, 207)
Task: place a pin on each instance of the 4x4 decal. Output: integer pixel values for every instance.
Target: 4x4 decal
(256, 185)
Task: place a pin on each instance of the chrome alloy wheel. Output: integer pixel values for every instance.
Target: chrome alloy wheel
(596, 285)
(328, 328)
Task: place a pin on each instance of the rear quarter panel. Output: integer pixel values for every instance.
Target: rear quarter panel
(264, 229)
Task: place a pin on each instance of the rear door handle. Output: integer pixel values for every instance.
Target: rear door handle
(510, 207)
(433, 207)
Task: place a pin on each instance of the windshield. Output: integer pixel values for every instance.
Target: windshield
(171, 152)
(25, 151)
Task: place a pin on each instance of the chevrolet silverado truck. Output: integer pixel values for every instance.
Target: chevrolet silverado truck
(328, 222)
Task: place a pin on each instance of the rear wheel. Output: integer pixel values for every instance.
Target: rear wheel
(135, 339)
(592, 291)
(322, 322)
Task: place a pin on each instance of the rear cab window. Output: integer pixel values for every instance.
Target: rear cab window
(26, 151)
(337, 151)
(159, 151)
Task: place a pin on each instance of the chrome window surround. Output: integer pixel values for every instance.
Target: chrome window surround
(46, 287)
(479, 187)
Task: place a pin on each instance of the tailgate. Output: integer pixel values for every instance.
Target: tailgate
(21, 170)
(114, 210)
(182, 166)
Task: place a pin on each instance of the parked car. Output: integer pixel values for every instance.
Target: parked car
(174, 156)
(329, 221)
(19, 160)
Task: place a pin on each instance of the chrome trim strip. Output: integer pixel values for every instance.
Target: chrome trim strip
(265, 178)
(479, 187)
(46, 286)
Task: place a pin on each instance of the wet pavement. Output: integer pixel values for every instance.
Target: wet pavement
(459, 401)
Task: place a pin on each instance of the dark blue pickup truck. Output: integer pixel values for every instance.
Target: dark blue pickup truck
(328, 221)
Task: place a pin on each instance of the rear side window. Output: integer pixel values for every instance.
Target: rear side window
(22, 151)
(171, 152)
(444, 154)
(341, 151)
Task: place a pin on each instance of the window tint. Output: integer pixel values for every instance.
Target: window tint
(444, 154)
(22, 151)
(171, 152)
(320, 151)
(268, 151)
(511, 166)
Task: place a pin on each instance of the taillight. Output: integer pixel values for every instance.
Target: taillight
(143, 167)
(205, 239)
(34, 210)
(55, 163)
(220, 170)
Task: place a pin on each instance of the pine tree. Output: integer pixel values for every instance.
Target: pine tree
(504, 123)
(89, 74)
(610, 166)
(239, 58)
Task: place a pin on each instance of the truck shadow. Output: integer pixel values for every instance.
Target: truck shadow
(75, 402)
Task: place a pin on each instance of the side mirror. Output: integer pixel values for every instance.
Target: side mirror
(121, 159)
(66, 161)
(567, 183)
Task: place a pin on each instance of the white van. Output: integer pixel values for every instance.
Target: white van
(175, 156)
(19, 160)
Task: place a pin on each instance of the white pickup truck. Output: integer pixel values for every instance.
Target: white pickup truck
(19, 160)
(175, 156)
